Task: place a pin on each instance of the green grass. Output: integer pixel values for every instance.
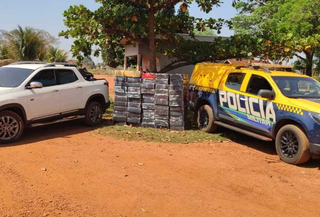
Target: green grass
(159, 135)
(191, 135)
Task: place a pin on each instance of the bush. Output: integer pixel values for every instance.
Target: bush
(6, 62)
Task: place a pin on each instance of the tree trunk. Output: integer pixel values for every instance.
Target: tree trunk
(152, 45)
(309, 63)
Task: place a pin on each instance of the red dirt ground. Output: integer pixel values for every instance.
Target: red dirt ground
(69, 170)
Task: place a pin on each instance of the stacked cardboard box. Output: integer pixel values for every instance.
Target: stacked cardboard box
(148, 106)
(134, 101)
(120, 102)
(178, 101)
(162, 100)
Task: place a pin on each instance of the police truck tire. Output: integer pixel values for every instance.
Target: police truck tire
(292, 145)
(205, 119)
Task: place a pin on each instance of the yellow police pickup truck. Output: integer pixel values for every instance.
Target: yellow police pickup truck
(266, 102)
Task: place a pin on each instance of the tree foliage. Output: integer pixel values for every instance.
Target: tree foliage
(186, 52)
(89, 62)
(26, 43)
(112, 53)
(144, 21)
(286, 28)
(4, 51)
(56, 55)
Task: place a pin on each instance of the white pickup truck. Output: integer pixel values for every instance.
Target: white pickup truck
(34, 93)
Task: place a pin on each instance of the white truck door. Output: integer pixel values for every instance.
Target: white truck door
(44, 102)
(71, 90)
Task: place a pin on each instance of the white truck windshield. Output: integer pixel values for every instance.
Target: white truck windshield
(13, 77)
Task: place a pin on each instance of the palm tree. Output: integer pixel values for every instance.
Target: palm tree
(27, 43)
(4, 51)
(57, 55)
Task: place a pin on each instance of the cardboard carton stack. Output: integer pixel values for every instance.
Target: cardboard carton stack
(148, 99)
(162, 100)
(120, 102)
(134, 101)
(156, 100)
(178, 90)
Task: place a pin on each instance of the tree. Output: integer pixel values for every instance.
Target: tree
(186, 52)
(317, 63)
(112, 53)
(301, 65)
(56, 55)
(286, 28)
(205, 32)
(27, 43)
(89, 62)
(144, 21)
(4, 51)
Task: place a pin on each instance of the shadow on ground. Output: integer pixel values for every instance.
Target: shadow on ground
(66, 129)
(59, 130)
(262, 146)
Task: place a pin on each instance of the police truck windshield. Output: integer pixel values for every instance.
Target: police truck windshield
(298, 87)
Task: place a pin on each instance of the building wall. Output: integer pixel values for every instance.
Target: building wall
(134, 50)
(183, 70)
(146, 61)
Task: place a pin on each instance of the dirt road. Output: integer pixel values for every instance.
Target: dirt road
(69, 170)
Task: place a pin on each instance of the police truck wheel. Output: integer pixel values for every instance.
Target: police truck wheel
(292, 145)
(205, 119)
(11, 127)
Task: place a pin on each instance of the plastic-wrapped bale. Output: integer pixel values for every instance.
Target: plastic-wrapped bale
(134, 88)
(148, 98)
(133, 80)
(120, 112)
(148, 80)
(120, 101)
(178, 90)
(177, 117)
(161, 96)
(162, 78)
(162, 116)
(161, 122)
(134, 116)
(177, 123)
(148, 88)
(134, 112)
(177, 111)
(120, 117)
(179, 79)
(148, 118)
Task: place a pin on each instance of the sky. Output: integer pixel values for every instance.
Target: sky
(47, 15)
